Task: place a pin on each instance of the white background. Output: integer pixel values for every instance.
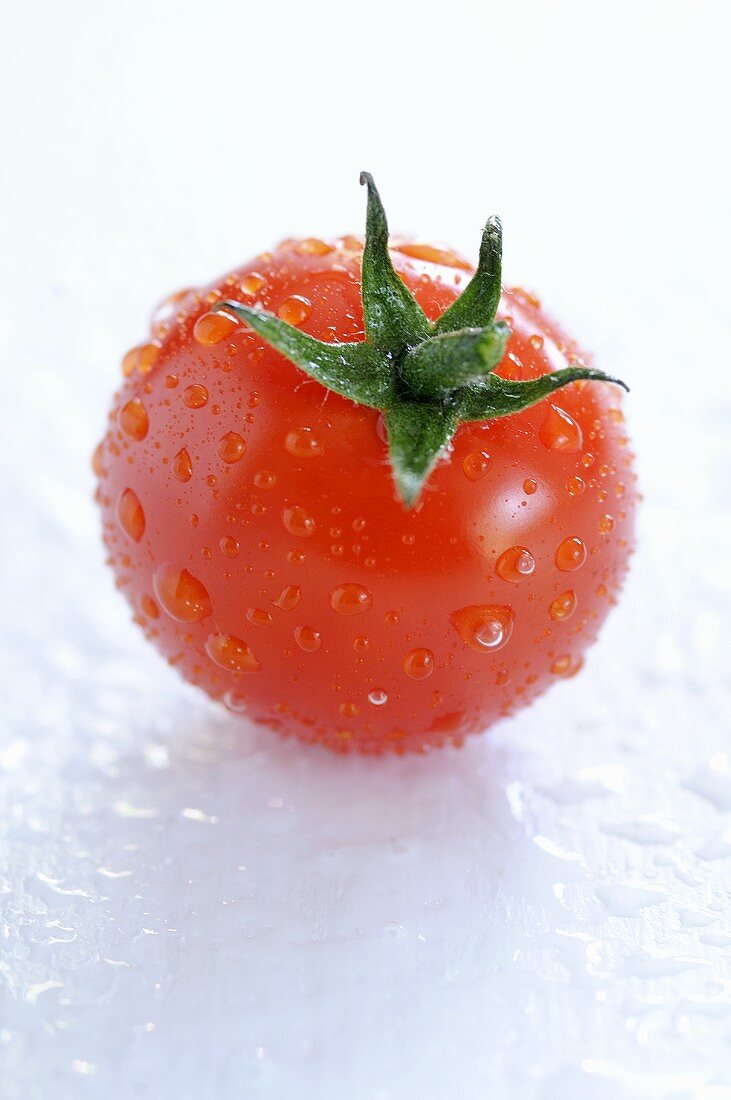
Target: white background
(192, 909)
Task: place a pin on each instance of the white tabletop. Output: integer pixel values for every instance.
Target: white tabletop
(192, 908)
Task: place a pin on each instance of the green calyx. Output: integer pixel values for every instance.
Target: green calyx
(425, 378)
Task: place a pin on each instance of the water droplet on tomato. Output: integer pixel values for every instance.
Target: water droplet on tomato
(171, 381)
(515, 564)
(570, 554)
(195, 396)
(606, 524)
(130, 515)
(559, 431)
(307, 638)
(149, 607)
(529, 486)
(288, 598)
(350, 599)
(211, 328)
(312, 246)
(263, 479)
(377, 697)
(133, 420)
(536, 342)
(563, 606)
(229, 546)
(296, 557)
(476, 464)
(485, 628)
(348, 709)
(252, 283)
(575, 485)
(97, 460)
(231, 653)
(298, 522)
(182, 466)
(303, 443)
(360, 644)
(129, 363)
(182, 595)
(567, 666)
(231, 447)
(146, 357)
(419, 664)
(295, 310)
(258, 616)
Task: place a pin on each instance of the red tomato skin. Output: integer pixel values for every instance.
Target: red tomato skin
(312, 600)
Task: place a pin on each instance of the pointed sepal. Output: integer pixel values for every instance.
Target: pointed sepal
(357, 371)
(417, 434)
(394, 321)
(502, 396)
(454, 359)
(477, 304)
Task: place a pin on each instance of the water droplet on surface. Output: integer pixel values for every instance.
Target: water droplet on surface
(559, 431)
(129, 363)
(529, 486)
(133, 420)
(575, 485)
(360, 644)
(563, 606)
(377, 697)
(348, 709)
(182, 595)
(350, 599)
(515, 564)
(303, 443)
(252, 283)
(263, 479)
(182, 466)
(296, 557)
(295, 310)
(231, 447)
(229, 546)
(231, 653)
(567, 666)
(570, 554)
(432, 254)
(97, 460)
(606, 524)
(419, 664)
(288, 598)
(298, 522)
(307, 638)
(149, 607)
(485, 628)
(171, 381)
(258, 616)
(536, 342)
(313, 246)
(195, 396)
(476, 464)
(130, 515)
(211, 328)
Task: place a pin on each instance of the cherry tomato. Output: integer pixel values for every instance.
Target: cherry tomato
(252, 522)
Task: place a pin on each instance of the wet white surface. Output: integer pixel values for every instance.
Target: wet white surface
(191, 908)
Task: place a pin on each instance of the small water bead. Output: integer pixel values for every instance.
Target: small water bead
(295, 310)
(231, 653)
(229, 546)
(231, 447)
(195, 396)
(258, 616)
(97, 460)
(263, 479)
(307, 639)
(288, 598)
(575, 485)
(211, 481)
(559, 431)
(296, 557)
(350, 599)
(171, 381)
(298, 522)
(182, 466)
(360, 644)
(587, 460)
(252, 283)
(313, 246)
(606, 524)
(377, 697)
(563, 606)
(567, 666)
(432, 254)
(529, 486)
(536, 342)
(133, 419)
(476, 465)
(182, 595)
(146, 356)
(129, 362)
(130, 515)
(149, 607)
(485, 628)
(212, 328)
(515, 564)
(419, 664)
(348, 709)
(570, 554)
(408, 540)
(303, 443)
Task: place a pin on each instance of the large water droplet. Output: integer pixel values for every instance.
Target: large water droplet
(307, 638)
(570, 554)
(231, 447)
(559, 431)
(476, 465)
(419, 664)
(211, 328)
(182, 466)
(303, 443)
(130, 515)
(350, 599)
(515, 564)
(563, 606)
(195, 396)
(298, 522)
(295, 310)
(182, 595)
(133, 420)
(485, 628)
(288, 598)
